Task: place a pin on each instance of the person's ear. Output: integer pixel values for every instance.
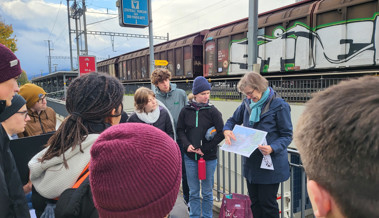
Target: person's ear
(110, 119)
(321, 199)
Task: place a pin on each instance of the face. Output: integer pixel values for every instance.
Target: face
(16, 123)
(40, 105)
(252, 94)
(7, 90)
(151, 104)
(164, 86)
(203, 97)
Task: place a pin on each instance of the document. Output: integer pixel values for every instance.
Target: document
(247, 140)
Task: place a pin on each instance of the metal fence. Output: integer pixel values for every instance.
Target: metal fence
(292, 196)
(291, 90)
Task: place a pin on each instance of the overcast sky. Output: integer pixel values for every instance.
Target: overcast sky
(37, 21)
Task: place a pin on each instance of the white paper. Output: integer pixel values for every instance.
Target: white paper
(266, 160)
(247, 140)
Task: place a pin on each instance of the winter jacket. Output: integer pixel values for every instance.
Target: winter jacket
(200, 120)
(174, 100)
(76, 203)
(50, 178)
(163, 123)
(12, 198)
(40, 124)
(275, 119)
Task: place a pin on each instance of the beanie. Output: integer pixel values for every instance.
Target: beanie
(17, 103)
(9, 64)
(135, 171)
(32, 93)
(200, 84)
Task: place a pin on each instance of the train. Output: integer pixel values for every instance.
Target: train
(311, 37)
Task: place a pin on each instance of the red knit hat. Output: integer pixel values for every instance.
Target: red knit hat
(135, 171)
(9, 64)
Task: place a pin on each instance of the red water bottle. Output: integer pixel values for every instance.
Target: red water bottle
(201, 169)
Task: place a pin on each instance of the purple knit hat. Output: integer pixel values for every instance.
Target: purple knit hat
(9, 64)
(135, 171)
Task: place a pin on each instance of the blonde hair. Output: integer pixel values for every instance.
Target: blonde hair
(141, 98)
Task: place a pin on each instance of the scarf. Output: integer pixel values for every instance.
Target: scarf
(256, 108)
(151, 117)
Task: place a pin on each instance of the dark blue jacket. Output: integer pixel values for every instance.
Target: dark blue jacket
(275, 119)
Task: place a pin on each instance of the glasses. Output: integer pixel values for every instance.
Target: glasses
(25, 113)
(249, 93)
(122, 109)
(41, 98)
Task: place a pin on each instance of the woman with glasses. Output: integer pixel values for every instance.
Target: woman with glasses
(265, 110)
(94, 103)
(147, 110)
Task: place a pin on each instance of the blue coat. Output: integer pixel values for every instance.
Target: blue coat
(275, 119)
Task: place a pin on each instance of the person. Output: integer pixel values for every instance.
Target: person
(43, 118)
(338, 140)
(194, 121)
(174, 99)
(265, 110)
(148, 111)
(94, 103)
(135, 171)
(13, 119)
(12, 198)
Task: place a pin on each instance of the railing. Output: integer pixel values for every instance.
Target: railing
(291, 90)
(229, 179)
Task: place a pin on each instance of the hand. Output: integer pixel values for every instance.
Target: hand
(199, 152)
(27, 187)
(265, 149)
(191, 149)
(229, 134)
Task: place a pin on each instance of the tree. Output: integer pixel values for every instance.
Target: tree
(23, 78)
(6, 38)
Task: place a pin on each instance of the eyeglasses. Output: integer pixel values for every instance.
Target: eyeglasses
(25, 113)
(41, 98)
(249, 93)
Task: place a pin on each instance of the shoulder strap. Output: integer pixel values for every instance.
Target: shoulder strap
(82, 177)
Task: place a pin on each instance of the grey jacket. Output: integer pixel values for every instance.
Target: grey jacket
(174, 100)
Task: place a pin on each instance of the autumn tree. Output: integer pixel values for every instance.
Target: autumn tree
(23, 79)
(6, 38)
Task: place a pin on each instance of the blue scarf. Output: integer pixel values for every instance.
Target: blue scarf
(256, 108)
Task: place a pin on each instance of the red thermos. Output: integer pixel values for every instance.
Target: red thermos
(201, 169)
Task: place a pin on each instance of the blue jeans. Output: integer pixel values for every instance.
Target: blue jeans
(206, 188)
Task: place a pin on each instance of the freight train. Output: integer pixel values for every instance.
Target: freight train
(305, 38)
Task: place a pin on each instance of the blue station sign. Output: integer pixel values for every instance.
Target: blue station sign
(134, 13)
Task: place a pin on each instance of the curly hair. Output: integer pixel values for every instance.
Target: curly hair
(160, 75)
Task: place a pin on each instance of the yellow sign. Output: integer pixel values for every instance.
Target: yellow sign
(161, 62)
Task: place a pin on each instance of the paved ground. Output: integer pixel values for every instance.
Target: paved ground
(180, 209)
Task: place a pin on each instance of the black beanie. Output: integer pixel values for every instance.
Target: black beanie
(17, 102)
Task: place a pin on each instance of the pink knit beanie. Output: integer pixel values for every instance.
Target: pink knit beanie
(135, 171)
(9, 64)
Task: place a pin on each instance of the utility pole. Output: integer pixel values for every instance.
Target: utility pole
(49, 57)
(69, 34)
(252, 48)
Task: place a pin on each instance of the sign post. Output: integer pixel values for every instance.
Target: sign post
(133, 13)
(87, 64)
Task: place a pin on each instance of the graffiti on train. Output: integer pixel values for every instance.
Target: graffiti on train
(336, 45)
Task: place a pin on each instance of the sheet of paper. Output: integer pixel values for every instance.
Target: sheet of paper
(247, 140)
(266, 160)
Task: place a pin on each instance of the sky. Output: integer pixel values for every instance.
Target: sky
(37, 22)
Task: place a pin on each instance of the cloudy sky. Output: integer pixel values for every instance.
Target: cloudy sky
(35, 22)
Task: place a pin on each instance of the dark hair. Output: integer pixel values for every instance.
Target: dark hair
(90, 99)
